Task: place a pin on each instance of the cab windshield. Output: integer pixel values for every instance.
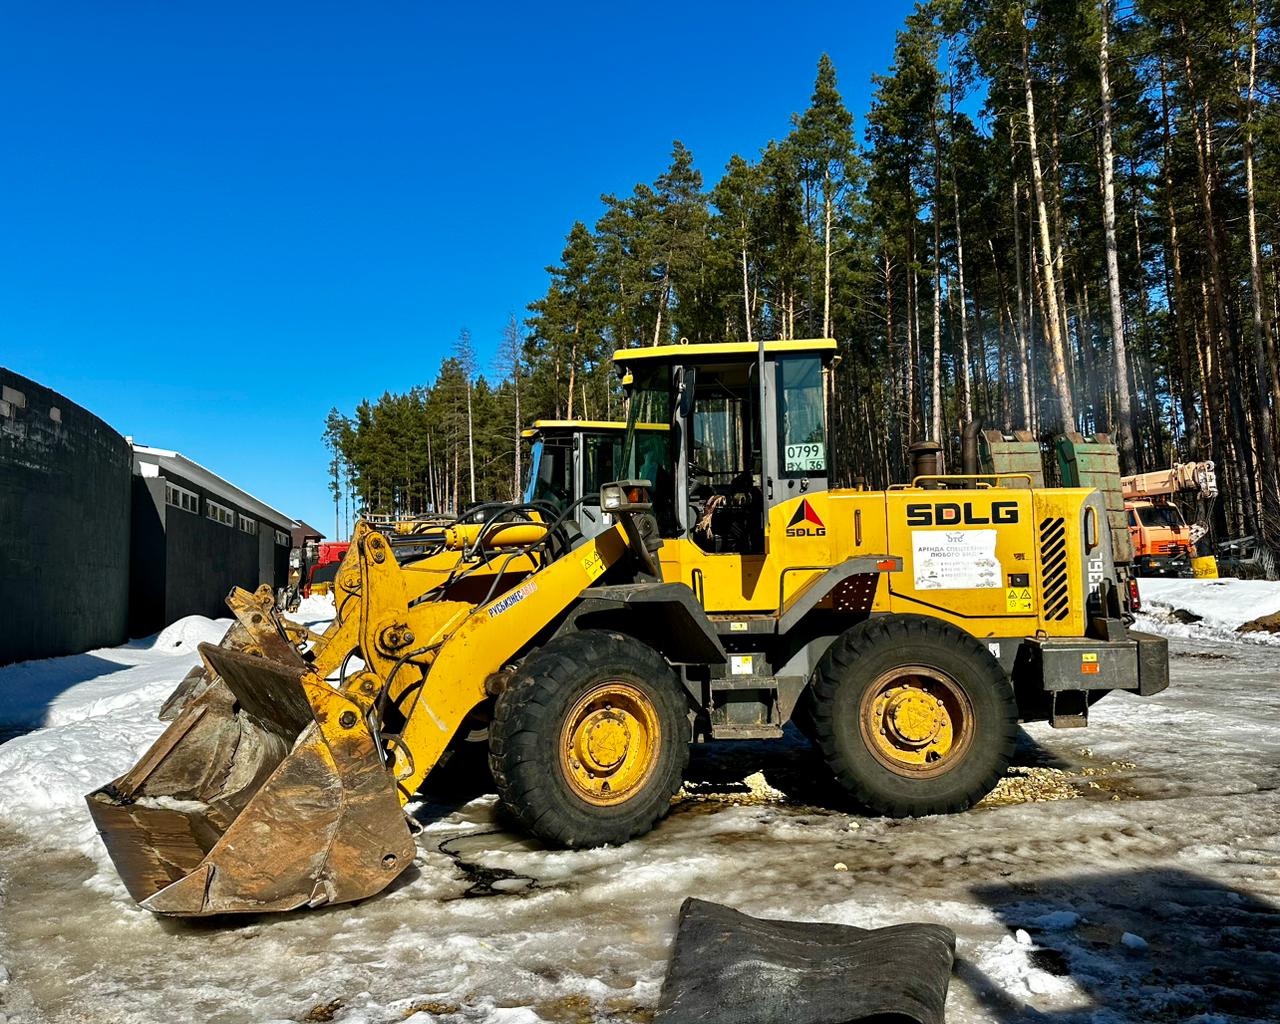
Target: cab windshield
(1161, 516)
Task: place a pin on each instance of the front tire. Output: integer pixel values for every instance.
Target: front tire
(590, 740)
(913, 715)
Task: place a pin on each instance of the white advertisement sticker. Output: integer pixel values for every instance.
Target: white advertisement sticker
(955, 559)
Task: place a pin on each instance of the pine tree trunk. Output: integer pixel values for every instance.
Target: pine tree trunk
(746, 291)
(1190, 418)
(471, 445)
(1216, 303)
(966, 379)
(431, 477)
(1021, 325)
(889, 335)
(573, 368)
(827, 202)
(984, 372)
(913, 329)
(1205, 363)
(1052, 319)
(1119, 352)
(1003, 371)
(1269, 511)
(519, 468)
(937, 434)
(657, 323)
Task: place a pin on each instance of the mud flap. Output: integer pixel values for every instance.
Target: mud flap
(266, 793)
(728, 968)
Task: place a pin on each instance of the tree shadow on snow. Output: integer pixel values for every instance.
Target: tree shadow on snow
(1194, 946)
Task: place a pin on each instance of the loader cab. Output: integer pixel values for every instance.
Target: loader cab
(570, 460)
(747, 432)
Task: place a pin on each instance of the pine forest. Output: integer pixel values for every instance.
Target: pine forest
(1054, 216)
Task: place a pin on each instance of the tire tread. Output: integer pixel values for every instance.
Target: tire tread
(840, 664)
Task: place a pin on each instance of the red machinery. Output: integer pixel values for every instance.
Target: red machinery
(320, 576)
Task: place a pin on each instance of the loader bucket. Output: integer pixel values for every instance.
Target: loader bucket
(195, 682)
(266, 793)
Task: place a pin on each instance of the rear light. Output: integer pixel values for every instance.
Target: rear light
(1135, 602)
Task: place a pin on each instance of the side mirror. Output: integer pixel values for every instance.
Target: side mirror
(629, 502)
(686, 381)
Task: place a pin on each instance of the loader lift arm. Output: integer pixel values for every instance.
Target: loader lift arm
(282, 784)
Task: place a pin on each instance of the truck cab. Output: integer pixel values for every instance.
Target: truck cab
(1162, 544)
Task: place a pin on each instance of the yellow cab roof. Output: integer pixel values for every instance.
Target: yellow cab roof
(568, 426)
(674, 353)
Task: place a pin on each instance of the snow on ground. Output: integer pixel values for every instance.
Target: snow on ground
(91, 717)
(1150, 895)
(1221, 605)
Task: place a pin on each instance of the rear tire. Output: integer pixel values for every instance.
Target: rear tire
(590, 740)
(913, 715)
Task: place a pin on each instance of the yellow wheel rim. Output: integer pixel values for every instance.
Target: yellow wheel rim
(609, 744)
(916, 721)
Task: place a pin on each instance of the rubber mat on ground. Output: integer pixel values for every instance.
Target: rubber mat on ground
(729, 968)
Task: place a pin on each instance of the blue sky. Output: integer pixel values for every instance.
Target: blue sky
(219, 220)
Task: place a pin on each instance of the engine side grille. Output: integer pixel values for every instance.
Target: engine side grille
(1055, 593)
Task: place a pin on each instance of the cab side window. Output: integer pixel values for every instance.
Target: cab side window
(802, 436)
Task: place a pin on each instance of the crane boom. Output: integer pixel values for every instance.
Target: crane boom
(1179, 478)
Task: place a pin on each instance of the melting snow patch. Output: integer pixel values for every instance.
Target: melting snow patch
(314, 612)
(1219, 607)
(1008, 963)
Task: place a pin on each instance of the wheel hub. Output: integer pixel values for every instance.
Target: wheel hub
(602, 740)
(914, 718)
(610, 742)
(916, 721)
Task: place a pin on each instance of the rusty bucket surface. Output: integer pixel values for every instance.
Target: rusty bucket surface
(267, 792)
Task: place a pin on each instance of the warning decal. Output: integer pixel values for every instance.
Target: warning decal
(955, 559)
(593, 563)
(1017, 600)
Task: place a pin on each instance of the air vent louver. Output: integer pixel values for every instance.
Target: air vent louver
(1055, 593)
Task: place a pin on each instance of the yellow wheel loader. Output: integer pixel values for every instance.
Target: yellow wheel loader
(905, 631)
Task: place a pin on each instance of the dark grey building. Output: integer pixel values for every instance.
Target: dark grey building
(64, 525)
(195, 536)
(101, 539)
